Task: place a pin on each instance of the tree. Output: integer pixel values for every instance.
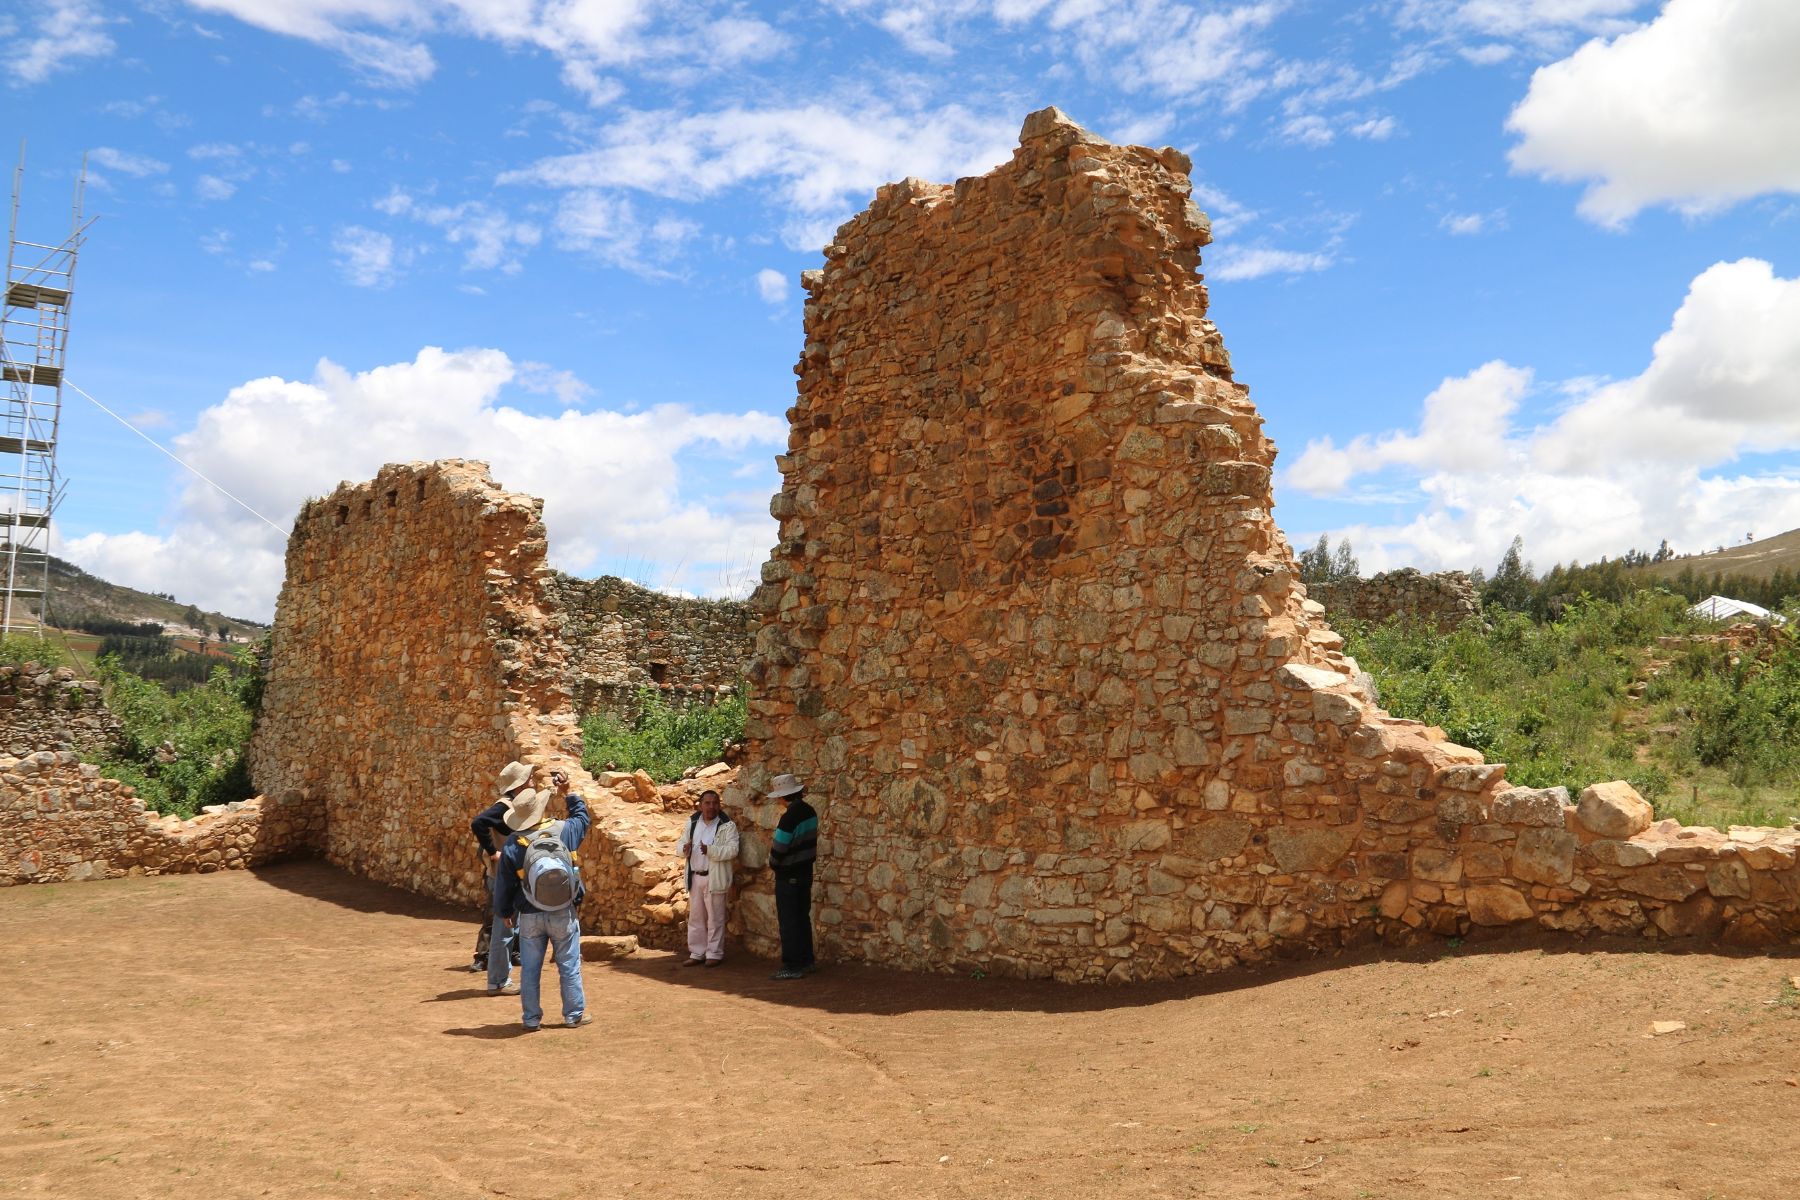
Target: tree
(1343, 562)
(1663, 553)
(1315, 564)
(192, 617)
(1512, 583)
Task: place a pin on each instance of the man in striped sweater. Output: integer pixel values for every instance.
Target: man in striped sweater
(791, 856)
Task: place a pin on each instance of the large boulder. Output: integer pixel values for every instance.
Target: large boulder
(1613, 810)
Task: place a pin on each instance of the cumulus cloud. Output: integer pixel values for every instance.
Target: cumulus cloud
(613, 482)
(1698, 109)
(772, 286)
(61, 33)
(1625, 464)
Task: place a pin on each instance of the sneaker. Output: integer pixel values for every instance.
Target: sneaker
(511, 989)
(788, 973)
(694, 962)
(585, 1018)
(530, 1028)
(478, 966)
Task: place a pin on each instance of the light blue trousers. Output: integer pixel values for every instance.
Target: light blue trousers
(559, 933)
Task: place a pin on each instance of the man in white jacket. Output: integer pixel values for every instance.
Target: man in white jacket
(710, 845)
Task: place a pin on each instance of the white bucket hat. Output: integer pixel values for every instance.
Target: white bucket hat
(785, 785)
(512, 775)
(526, 809)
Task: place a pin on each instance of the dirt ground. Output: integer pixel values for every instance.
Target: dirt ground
(298, 1032)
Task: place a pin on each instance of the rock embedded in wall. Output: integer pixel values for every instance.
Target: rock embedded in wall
(43, 708)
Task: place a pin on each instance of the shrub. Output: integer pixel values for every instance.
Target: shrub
(187, 750)
(663, 740)
(17, 649)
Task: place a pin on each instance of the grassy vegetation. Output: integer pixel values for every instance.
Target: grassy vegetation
(663, 741)
(1705, 743)
(183, 751)
(17, 649)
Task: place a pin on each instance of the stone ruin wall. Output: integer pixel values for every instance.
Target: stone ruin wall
(51, 709)
(415, 653)
(61, 820)
(1444, 600)
(1039, 649)
(621, 638)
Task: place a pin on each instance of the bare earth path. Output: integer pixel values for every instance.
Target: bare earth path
(298, 1032)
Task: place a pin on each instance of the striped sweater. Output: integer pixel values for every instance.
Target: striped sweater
(796, 842)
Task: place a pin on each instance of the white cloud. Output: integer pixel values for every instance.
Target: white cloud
(607, 228)
(367, 258)
(211, 187)
(1470, 224)
(1496, 27)
(1253, 262)
(1374, 129)
(490, 239)
(1626, 464)
(1699, 109)
(138, 166)
(383, 38)
(772, 286)
(612, 481)
(821, 161)
(63, 32)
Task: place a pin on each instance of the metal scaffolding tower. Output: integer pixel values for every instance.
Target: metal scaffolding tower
(34, 338)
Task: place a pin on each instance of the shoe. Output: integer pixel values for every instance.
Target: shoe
(511, 989)
(478, 966)
(585, 1018)
(694, 962)
(809, 968)
(713, 962)
(530, 1028)
(788, 973)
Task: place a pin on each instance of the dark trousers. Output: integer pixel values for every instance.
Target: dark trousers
(793, 910)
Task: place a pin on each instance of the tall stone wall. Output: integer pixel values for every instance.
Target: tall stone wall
(415, 653)
(621, 638)
(1444, 600)
(1035, 642)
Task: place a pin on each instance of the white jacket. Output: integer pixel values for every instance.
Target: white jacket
(719, 855)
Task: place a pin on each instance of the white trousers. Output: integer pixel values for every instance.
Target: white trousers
(706, 923)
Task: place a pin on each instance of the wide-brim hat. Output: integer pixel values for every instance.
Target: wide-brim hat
(525, 809)
(785, 785)
(513, 775)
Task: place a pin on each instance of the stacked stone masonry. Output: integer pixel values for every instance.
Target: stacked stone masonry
(415, 653)
(60, 819)
(1444, 600)
(622, 638)
(1036, 643)
(52, 709)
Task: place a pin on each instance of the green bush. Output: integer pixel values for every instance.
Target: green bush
(663, 740)
(183, 751)
(17, 649)
(1553, 702)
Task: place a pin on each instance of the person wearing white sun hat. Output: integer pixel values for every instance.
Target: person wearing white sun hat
(791, 855)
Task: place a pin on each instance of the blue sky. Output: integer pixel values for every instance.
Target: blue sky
(1490, 267)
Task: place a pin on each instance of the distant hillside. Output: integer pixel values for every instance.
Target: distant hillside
(75, 595)
(1758, 560)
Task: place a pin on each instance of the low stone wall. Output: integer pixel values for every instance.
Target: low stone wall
(415, 653)
(62, 820)
(620, 638)
(1445, 600)
(43, 709)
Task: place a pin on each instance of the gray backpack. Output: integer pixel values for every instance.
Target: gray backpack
(549, 876)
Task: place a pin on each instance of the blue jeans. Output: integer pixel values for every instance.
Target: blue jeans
(559, 931)
(500, 944)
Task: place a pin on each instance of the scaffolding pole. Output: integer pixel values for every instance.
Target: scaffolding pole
(34, 344)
